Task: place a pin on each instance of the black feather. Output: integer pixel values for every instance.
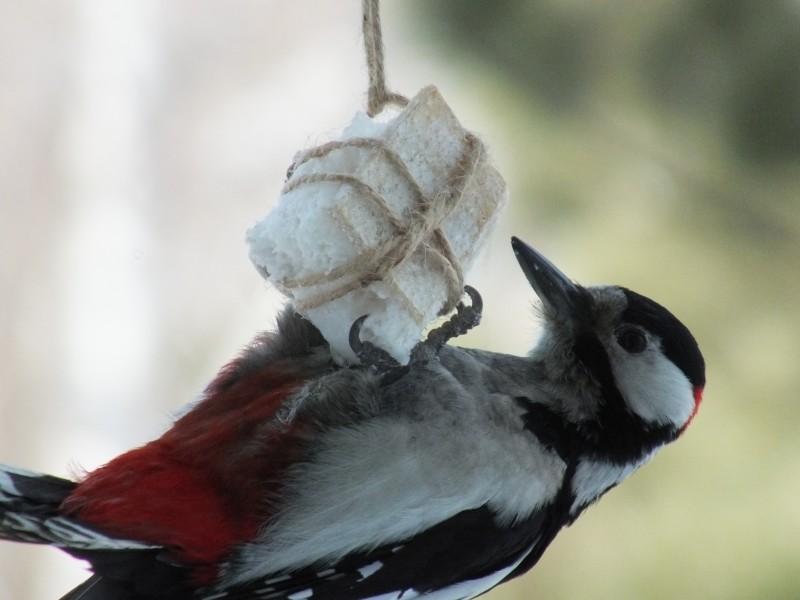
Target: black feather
(468, 546)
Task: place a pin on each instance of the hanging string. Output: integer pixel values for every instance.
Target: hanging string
(378, 96)
(418, 229)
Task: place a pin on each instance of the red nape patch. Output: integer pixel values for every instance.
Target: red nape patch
(206, 485)
(698, 398)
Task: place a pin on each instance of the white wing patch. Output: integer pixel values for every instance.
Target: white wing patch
(369, 569)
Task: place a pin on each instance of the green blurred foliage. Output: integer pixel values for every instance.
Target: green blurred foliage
(733, 61)
(657, 145)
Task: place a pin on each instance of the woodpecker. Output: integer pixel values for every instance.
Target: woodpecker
(295, 478)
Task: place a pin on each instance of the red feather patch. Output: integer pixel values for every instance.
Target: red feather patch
(209, 482)
(698, 398)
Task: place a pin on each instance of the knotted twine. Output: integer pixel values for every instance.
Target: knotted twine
(418, 229)
(378, 96)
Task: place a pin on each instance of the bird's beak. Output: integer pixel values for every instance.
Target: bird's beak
(563, 298)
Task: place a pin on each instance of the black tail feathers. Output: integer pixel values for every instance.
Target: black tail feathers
(124, 569)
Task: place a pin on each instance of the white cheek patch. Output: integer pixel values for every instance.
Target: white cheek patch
(654, 388)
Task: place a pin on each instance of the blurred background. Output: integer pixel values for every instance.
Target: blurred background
(654, 145)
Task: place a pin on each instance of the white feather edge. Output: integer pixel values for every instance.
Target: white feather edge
(59, 531)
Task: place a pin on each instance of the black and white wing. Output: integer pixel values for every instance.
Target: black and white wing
(462, 557)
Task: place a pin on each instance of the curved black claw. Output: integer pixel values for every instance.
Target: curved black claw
(368, 353)
(354, 337)
(476, 302)
(466, 318)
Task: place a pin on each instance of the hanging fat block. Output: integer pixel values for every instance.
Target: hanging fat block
(382, 222)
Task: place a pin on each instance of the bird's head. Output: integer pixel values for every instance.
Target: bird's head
(627, 370)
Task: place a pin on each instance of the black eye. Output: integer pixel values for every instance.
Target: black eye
(632, 339)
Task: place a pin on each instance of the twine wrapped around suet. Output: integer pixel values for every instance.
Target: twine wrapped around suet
(419, 231)
(383, 221)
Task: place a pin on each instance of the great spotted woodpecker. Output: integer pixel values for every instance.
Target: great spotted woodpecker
(294, 478)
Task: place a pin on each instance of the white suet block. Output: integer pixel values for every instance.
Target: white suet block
(344, 203)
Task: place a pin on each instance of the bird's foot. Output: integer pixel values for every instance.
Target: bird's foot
(374, 356)
(465, 318)
(367, 352)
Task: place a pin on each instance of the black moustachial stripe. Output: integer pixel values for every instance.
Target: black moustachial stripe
(615, 434)
(552, 431)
